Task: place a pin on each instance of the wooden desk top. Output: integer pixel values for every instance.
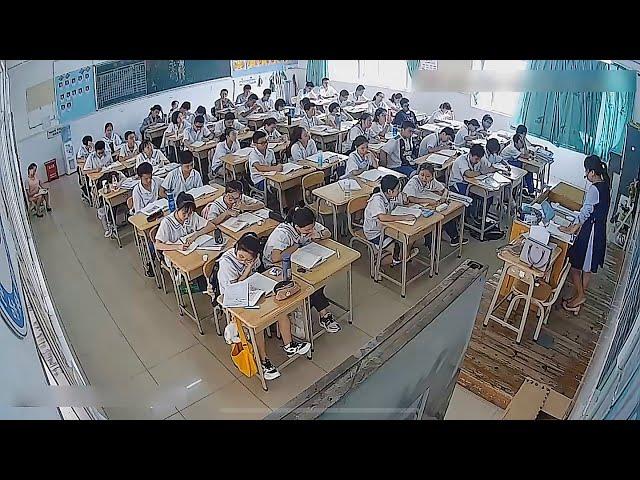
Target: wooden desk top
(139, 220)
(233, 159)
(208, 145)
(334, 194)
(324, 132)
(334, 159)
(299, 173)
(116, 193)
(510, 255)
(157, 128)
(192, 264)
(474, 182)
(332, 265)
(263, 230)
(421, 225)
(567, 195)
(96, 175)
(447, 163)
(452, 209)
(258, 116)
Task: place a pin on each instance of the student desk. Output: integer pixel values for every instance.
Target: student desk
(443, 168)
(540, 168)
(235, 164)
(335, 196)
(222, 112)
(454, 210)
(202, 152)
(155, 131)
(112, 200)
(95, 176)
(188, 268)
(356, 111)
(516, 175)
(175, 140)
(429, 128)
(484, 192)
(263, 230)
(284, 127)
(329, 162)
(267, 313)
(516, 269)
(405, 234)
(143, 227)
(325, 134)
(255, 120)
(282, 182)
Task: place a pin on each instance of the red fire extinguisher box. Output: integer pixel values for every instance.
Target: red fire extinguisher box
(52, 169)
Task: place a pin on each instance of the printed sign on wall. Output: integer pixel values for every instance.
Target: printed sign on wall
(75, 94)
(241, 68)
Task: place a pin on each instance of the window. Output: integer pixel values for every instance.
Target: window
(499, 102)
(375, 73)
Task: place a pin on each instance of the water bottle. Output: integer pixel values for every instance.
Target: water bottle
(338, 121)
(347, 189)
(320, 159)
(286, 267)
(171, 201)
(395, 131)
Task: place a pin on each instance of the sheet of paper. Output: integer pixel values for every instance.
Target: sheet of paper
(447, 152)
(400, 210)
(350, 184)
(290, 167)
(234, 224)
(501, 178)
(201, 191)
(260, 282)
(437, 158)
(539, 234)
(554, 231)
(197, 144)
(201, 240)
(263, 213)
(249, 218)
(160, 204)
(371, 175)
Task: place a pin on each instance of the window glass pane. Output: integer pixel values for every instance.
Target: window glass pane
(343, 70)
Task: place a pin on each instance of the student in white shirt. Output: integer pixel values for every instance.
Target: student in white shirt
(229, 121)
(360, 128)
(249, 107)
(522, 131)
(211, 117)
(238, 264)
(112, 178)
(176, 127)
(279, 110)
(154, 118)
(492, 154)
(231, 204)
(382, 202)
(181, 179)
(436, 141)
(98, 159)
(300, 229)
(485, 128)
(111, 140)
(326, 90)
(273, 135)
(344, 100)
(228, 144)
(309, 119)
(198, 132)
(202, 110)
(266, 103)
(467, 133)
(244, 96)
(307, 92)
(513, 154)
(377, 102)
(379, 126)
(360, 159)
(185, 108)
(261, 159)
(151, 155)
(174, 107)
(129, 148)
(398, 153)
(417, 189)
(302, 145)
(148, 188)
(86, 148)
(337, 115)
(223, 102)
(443, 112)
(358, 97)
(394, 104)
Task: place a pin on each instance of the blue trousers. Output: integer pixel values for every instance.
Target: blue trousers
(528, 178)
(404, 169)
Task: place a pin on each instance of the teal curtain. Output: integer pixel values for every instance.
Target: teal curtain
(316, 71)
(587, 122)
(412, 66)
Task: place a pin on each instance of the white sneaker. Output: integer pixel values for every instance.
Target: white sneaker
(107, 234)
(329, 324)
(269, 371)
(299, 348)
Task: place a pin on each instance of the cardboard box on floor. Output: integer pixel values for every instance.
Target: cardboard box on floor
(535, 401)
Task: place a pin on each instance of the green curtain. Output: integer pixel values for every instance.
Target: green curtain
(615, 114)
(316, 71)
(412, 66)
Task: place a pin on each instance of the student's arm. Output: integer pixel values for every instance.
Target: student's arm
(163, 159)
(167, 247)
(276, 255)
(210, 227)
(162, 192)
(383, 157)
(269, 168)
(249, 207)
(224, 215)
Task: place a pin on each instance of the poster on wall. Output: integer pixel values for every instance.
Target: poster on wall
(241, 68)
(69, 153)
(75, 94)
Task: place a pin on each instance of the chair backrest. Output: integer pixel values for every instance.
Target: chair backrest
(152, 233)
(130, 203)
(563, 277)
(309, 183)
(210, 271)
(355, 205)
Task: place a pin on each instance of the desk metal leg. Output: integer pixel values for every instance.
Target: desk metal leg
(484, 217)
(379, 259)
(494, 300)
(307, 325)
(256, 355)
(193, 305)
(349, 280)
(461, 230)
(405, 248)
(439, 228)
(433, 251)
(525, 312)
(156, 272)
(335, 220)
(113, 219)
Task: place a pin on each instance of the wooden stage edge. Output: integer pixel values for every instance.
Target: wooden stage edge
(495, 366)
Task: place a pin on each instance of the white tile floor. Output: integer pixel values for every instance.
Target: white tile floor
(127, 333)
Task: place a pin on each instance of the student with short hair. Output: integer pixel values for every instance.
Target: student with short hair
(382, 202)
(129, 148)
(360, 159)
(36, 193)
(198, 132)
(513, 154)
(435, 142)
(231, 204)
(86, 148)
(201, 110)
(300, 229)
(279, 110)
(309, 119)
(307, 92)
(244, 96)
(360, 128)
(261, 159)
(302, 145)
(98, 159)
(343, 99)
(150, 155)
(266, 103)
(326, 90)
(273, 135)
(337, 114)
(211, 118)
(111, 139)
(398, 153)
(249, 107)
(224, 101)
(485, 127)
(467, 133)
(227, 145)
(111, 178)
(379, 126)
(174, 107)
(181, 179)
(492, 154)
(443, 113)
(357, 97)
(147, 189)
(177, 125)
(154, 117)
(185, 108)
(229, 121)
(405, 114)
(238, 264)
(394, 103)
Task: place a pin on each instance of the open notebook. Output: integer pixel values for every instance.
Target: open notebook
(201, 191)
(371, 175)
(235, 224)
(400, 210)
(311, 255)
(290, 167)
(153, 207)
(248, 292)
(197, 144)
(203, 242)
(447, 152)
(437, 159)
(349, 184)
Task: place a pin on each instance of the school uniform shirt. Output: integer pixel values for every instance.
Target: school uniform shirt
(171, 230)
(127, 152)
(510, 153)
(279, 115)
(462, 164)
(284, 236)
(273, 136)
(439, 116)
(143, 197)
(149, 121)
(377, 130)
(172, 129)
(399, 151)
(372, 107)
(115, 140)
(356, 162)
(257, 158)
(230, 269)
(266, 105)
(428, 142)
(210, 118)
(218, 207)
(377, 204)
(327, 92)
(357, 100)
(492, 158)
(459, 140)
(220, 104)
(415, 187)
(403, 116)
(156, 159)
(93, 161)
(189, 117)
(299, 152)
(219, 128)
(221, 150)
(309, 122)
(191, 135)
(83, 152)
(354, 132)
(175, 181)
(242, 98)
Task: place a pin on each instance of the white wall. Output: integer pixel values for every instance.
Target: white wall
(33, 145)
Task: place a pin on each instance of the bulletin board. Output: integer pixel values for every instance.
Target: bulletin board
(241, 68)
(75, 94)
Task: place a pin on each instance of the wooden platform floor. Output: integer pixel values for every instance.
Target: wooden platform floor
(495, 366)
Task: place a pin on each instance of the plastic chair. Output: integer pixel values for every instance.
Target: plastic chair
(354, 206)
(544, 296)
(309, 183)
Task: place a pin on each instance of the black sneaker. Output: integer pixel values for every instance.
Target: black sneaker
(269, 371)
(456, 242)
(48, 209)
(149, 272)
(299, 348)
(329, 324)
